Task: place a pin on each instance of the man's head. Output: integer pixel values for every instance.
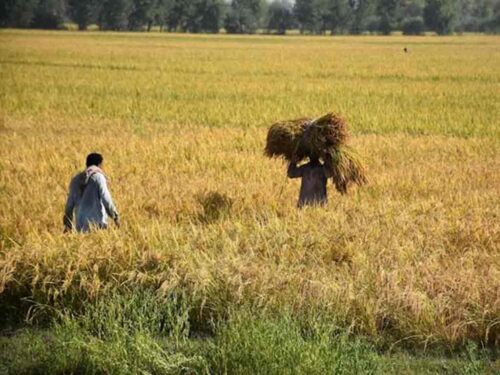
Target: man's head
(94, 159)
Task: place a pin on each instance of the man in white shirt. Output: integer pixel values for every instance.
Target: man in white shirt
(90, 198)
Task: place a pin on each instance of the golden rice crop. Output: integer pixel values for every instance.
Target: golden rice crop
(412, 258)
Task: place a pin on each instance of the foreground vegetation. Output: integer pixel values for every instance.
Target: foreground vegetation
(408, 264)
(141, 333)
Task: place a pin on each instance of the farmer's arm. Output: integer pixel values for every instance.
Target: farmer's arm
(293, 170)
(70, 206)
(107, 201)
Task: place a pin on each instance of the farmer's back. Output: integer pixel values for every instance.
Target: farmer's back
(313, 185)
(91, 200)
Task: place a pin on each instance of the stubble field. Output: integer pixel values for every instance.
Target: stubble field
(411, 260)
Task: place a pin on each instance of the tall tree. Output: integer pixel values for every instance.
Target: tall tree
(5, 9)
(410, 9)
(17, 13)
(160, 13)
(176, 11)
(243, 16)
(340, 16)
(82, 12)
(362, 11)
(441, 15)
(113, 14)
(142, 14)
(492, 24)
(304, 13)
(48, 14)
(386, 10)
(212, 15)
(322, 15)
(474, 14)
(313, 15)
(204, 16)
(280, 16)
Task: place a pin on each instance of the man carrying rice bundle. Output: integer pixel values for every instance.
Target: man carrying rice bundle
(313, 185)
(322, 139)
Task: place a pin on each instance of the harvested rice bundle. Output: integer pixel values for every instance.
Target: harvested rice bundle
(327, 131)
(284, 137)
(305, 137)
(324, 138)
(346, 168)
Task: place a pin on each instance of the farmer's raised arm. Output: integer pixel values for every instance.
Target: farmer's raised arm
(107, 201)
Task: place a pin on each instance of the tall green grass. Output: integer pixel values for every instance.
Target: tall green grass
(146, 333)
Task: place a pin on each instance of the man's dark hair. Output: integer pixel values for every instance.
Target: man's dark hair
(94, 159)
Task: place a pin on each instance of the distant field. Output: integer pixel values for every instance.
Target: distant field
(411, 260)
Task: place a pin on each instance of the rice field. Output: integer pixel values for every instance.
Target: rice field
(412, 260)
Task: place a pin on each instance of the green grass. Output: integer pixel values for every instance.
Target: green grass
(143, 333)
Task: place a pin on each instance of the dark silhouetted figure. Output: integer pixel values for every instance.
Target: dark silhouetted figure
(313, 185)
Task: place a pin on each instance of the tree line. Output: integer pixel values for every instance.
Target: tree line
(413, 17)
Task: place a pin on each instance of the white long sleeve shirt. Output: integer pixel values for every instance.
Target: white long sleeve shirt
(89, 196)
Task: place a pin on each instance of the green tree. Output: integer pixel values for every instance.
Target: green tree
(159, 13)
(363, 11)
(474, 14)
(280, 16)
(176, 14)
(340, 16)
(440, 16)
(313, 15)
(113, 14)
(410, 8)
(142, 14)
(204, 16)
(48, 14)
(243, 17)
(492, 24)
(323, 16)
(304, 13)
(386, 10)
(82, 12)
(17, 13)
(413, 26)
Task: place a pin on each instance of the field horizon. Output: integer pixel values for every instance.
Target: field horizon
(408, 264)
